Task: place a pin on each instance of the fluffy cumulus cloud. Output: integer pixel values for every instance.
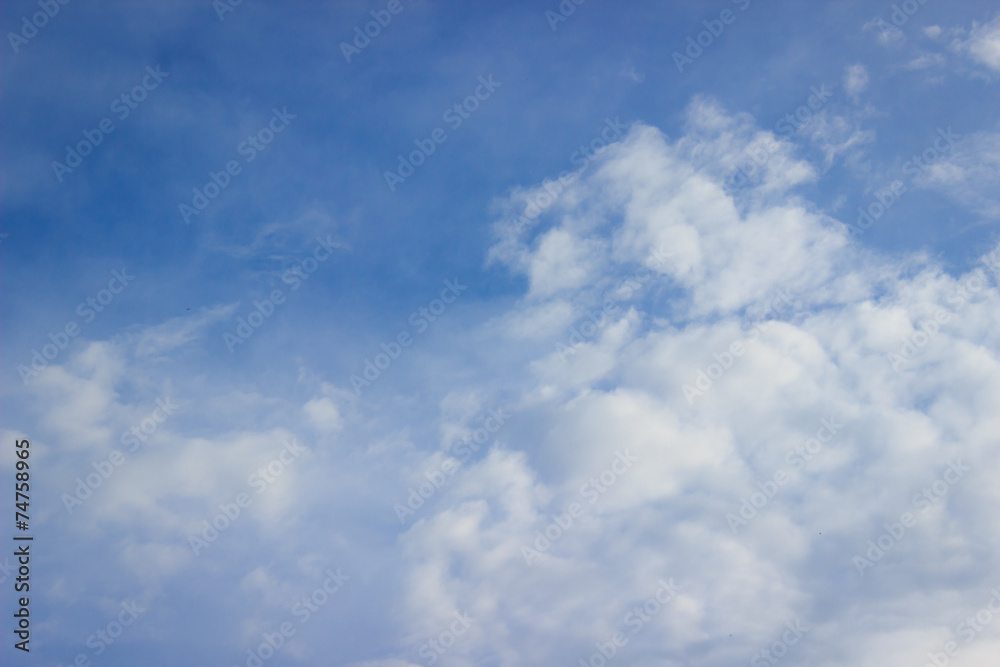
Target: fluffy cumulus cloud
(794, 436)
(726, 433)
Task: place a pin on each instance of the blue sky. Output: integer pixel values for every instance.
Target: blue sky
(388, 323)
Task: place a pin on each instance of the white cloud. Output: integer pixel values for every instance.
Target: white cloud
(562, 262)
(78, 398)
(669, 204)
(839, 136)
(970, 174)
(888, 35)
(180, 330)
(926, 61)
(630, 73)
(829, 356)
(982, 44)
(856, 80)
(323, 414)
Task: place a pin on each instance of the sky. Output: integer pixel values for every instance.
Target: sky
(397, 333)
